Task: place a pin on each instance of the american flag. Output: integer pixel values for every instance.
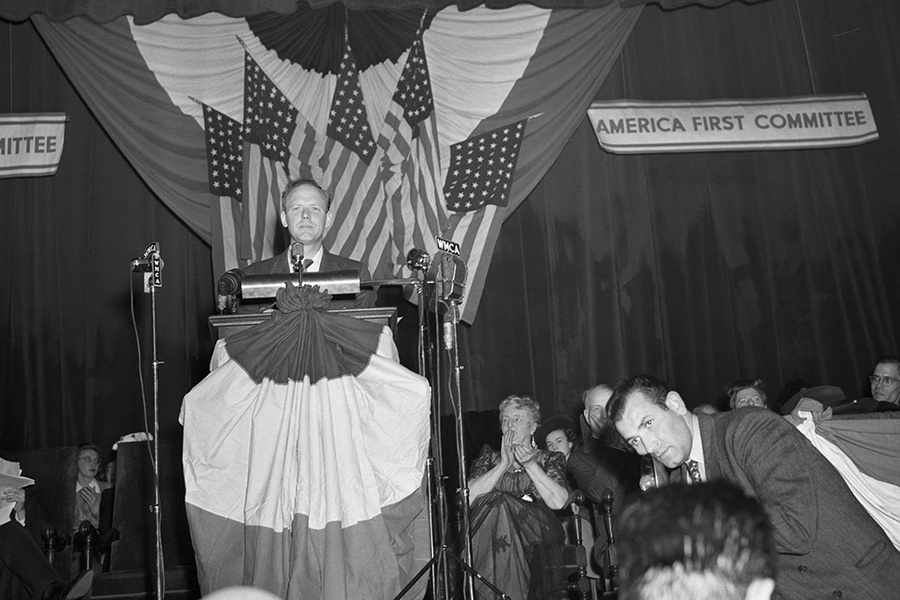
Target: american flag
(224, 141)
(269, 124)
(269, 117)
(411, 164)
(481, 168)
(348, 122)
(351, 172)
(224, 154)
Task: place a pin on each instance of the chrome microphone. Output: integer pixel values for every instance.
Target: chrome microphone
(144, 262)
(297, 257)
(418, 260)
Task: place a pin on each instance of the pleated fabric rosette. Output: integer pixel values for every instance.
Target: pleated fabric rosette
(304, 456)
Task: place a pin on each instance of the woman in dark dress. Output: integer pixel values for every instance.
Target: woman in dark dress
(511, 494)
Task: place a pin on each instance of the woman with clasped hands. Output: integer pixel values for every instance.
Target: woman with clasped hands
(512, 493)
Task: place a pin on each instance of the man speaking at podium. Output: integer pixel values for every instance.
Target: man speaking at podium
(306, 213)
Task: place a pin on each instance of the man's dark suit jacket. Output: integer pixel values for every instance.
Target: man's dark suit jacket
(828, 546)
(330, 262)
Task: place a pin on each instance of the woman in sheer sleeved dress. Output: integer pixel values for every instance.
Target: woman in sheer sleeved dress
(511, 496)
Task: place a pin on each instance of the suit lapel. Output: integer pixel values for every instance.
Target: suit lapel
(710, 449)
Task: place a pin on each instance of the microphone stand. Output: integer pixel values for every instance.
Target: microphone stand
(451, 321)
(151, 265)
(156, 507)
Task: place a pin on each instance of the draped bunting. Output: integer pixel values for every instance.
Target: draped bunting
(304, 456)
(141, 82)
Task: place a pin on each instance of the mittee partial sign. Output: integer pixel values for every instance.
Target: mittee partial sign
(631, 127)
(31, 145)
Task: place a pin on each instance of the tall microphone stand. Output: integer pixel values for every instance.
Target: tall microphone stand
(151, 265)
(451, 321)
(156, 508)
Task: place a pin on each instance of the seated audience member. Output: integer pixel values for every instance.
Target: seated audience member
(306, 214)
(108, 496)
(746, 392)
(557, 434)
(512, 493)
(611, 463)
(592, 477)
(25, 571)
(706, 409)
(87, 489)
(885, 379)
(696, 542)
(597, 431)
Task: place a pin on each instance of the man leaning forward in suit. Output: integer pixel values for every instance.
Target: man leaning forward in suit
(828, 546)
(306, 213)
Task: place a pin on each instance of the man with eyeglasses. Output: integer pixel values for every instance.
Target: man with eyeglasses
(885, 379)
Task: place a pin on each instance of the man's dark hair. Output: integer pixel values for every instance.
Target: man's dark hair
(654, 388)
(703, 541)
(295, 183)
(742, 384)
(888, 359)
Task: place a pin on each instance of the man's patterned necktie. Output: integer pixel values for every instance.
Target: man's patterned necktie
(693, 468)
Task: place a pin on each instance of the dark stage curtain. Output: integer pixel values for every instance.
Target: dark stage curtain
(697, 267)
(69, 368)
(702, 268)
(147, 11)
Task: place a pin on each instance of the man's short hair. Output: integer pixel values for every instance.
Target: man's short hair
(295, 183)
(743, 384)
(587, 393)
(888, 359)
(654, 388)
(705, 541)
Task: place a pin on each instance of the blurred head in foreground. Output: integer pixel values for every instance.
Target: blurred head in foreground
(706, 541)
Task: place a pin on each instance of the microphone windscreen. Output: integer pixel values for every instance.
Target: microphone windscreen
(230, 283)
(418, 260)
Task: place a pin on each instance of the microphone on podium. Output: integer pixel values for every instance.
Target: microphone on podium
(297, 257)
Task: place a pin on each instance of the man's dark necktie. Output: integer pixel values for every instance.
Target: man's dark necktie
(306, 263)
(693, 468)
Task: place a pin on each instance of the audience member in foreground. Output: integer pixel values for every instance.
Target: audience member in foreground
(24, 570)
(828, 545)
(696, 542)
(510, 492)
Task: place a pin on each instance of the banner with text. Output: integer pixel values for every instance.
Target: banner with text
(31, 144)
(631, 127)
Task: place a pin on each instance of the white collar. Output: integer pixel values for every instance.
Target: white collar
(94, 485)
(316, 261)
(697, 445)
(313, 267)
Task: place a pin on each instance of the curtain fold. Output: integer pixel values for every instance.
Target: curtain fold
(706, 267)
(145, 11)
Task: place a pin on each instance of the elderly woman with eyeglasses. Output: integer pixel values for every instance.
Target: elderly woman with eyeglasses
(746, 392)
(512, 493)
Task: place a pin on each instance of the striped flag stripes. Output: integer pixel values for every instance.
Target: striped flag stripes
(225, 177)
